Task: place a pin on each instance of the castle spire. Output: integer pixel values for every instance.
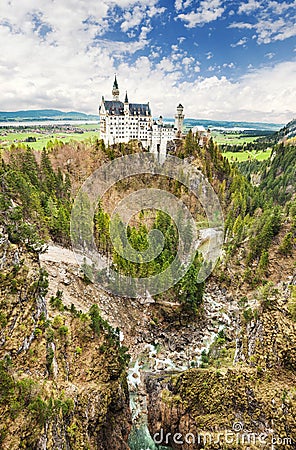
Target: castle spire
(126, 99)
(115, 85)
(115, 90)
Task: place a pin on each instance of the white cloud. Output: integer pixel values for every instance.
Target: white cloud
(275, 21)
(165, 65)
(280, 7)
(178, 5)
(209, 55)
(132, 18)
(182, 4)
(274, 30)
(241, 25)
(71, 65)
(240, 42)
(188, 63)
(269, 55)
(250, 6)
(53, 54)
(228, 65)
(260, 95)
(209, 11)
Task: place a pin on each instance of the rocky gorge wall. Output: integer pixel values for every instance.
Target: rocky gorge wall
(250, 404)
(215, 409)
(63, 382)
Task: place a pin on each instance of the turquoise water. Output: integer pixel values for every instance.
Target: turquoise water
(140, 439)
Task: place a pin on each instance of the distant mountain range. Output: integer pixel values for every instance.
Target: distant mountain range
(43, 114)
(55, 114)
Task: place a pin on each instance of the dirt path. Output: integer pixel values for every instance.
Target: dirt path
(58, 254)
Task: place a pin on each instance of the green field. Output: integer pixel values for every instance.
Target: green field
(7, 138)
(232, 138)
(244, 156)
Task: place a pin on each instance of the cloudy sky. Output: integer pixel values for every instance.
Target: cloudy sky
(233, 59)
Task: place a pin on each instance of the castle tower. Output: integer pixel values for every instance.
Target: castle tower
(179, 121)
(115, 90)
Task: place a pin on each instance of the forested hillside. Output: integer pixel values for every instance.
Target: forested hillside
(275, 176)
(288, 132)
(64, 370)
(37, 194)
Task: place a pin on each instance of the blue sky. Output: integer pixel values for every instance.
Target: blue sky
(222, 59)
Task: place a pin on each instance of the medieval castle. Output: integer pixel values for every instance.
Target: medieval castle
(124, 121)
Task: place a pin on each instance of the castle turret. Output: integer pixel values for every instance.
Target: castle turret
(179, 120)
(115, 90)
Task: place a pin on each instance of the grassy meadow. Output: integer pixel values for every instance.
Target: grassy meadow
(240, 139)
(43, 135)
(244, 156)
(232, 138)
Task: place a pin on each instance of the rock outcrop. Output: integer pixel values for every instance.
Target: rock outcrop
(211, 409)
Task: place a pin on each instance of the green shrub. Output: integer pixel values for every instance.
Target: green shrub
(37, 332)
(96, 319)
(248, 315)
(56, 302)
(63, 330)
(286, 246)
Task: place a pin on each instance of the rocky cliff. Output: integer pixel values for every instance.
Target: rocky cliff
(214, 409)
(63, 378)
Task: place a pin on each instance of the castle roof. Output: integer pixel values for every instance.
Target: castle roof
(116, 108)
(141, 109)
